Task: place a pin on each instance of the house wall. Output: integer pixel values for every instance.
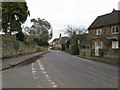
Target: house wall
(106, 32)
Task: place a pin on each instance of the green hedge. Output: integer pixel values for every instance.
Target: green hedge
(75, 49)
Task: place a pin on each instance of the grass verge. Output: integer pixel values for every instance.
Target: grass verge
(112, 61)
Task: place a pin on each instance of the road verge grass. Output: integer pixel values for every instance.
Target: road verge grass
(112, 61)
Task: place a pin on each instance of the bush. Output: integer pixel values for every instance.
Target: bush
(37, 40)
(20, 36)
(57, 48)
(40, 42)
(75, 49)
(63, 47)
(41, 49)
(53, 48)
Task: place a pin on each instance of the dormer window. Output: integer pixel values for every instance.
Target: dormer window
(115, 29)
(98, 31)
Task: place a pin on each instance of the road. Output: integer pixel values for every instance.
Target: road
(61, 70)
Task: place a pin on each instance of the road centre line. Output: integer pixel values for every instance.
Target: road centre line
(34, 72)
(46, 75)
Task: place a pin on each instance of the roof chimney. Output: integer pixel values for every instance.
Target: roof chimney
(114, 10)
(60, 35)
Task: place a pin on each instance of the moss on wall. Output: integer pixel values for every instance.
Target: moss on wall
(12, 47)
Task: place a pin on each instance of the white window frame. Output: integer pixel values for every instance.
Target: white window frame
(115, 46)
(114, 27)
(99, 44)
(98, 31)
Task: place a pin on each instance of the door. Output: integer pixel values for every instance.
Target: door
(98, 45)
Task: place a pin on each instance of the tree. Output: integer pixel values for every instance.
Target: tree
(67, 43)
(42, 29)
(76, 33)
(75, 49)
(20, 36)
(72, 30)
(14, 14)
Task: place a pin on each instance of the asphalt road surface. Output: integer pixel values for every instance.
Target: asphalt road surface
(61, 70)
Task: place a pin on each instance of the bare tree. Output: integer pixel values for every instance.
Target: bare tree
(72, 30)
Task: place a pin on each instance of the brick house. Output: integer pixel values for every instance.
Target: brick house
(104, 33)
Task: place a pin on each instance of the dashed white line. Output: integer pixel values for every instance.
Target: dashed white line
(34, 72)
(55, 86)
(44, 72)
(50, 81)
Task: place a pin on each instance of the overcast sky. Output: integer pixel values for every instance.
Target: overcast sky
(61, 13)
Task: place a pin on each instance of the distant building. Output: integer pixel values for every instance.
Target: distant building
(58, 42)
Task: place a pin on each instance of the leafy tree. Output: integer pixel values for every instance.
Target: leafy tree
(67, 44)
(20, 36)
(14, 14)
(40, 42)
(41, 29)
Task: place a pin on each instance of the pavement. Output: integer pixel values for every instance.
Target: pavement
(9, 62)
(61, 70)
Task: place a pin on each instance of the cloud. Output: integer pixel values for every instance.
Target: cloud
(75, 12)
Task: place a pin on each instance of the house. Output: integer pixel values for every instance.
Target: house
(104, 33)
(59, 42)
(56, 44)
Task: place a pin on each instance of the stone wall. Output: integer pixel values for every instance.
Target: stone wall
(11, 47)
(86, 52)
(111, 53)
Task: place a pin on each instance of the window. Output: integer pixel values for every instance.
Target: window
(98, 31)
(115, 30)
(98, 44)
(114, 44)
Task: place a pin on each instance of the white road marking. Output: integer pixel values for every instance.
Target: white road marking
(35, 76)
(50, 81)
(44, 72)
(42, 68)
(55, 86)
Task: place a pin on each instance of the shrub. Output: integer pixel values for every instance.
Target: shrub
(75, 49)
(20, 36)
(57, 48)
(53, 48)
(41, 49)
(37, 40)
(63, 47)
(40, 42)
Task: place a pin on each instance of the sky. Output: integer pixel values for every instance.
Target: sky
(61, 13)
